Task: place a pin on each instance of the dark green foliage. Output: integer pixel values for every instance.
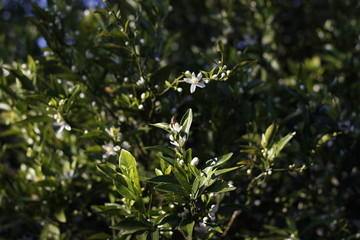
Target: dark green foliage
(85, 121)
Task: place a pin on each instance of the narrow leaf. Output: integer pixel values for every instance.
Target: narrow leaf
(130, 226)
(281, 144)
(164, 179)
(186, 121)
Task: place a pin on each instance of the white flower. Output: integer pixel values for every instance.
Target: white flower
(110, 149)
(112, 131)
(175, 127)
(141, 81)
(177, 142)
(195, 81)
(212, 213)
(109, 131)
(194, 161)
(126, 145)
(63, 125)
(202, 229)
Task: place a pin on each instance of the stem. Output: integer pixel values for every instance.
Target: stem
(230, 223)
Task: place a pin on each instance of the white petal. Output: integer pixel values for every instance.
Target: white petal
(188, 80)
(172, 138)
(61, 128)
(193, 75)
(174, 143)
(192, 88)
(67, 127)
(201, 84)
(199, 76)
(59, 132)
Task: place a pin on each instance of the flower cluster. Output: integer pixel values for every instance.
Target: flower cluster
(110, 149)
(175, 138)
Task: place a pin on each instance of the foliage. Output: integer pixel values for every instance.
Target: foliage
(82, 155)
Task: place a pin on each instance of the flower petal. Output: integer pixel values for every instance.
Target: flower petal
(201, 84)
(192, 88)
(67, 127)
(188, 80)
(174, 143)
(199, 76)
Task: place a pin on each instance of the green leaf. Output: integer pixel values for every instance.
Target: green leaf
(96, 133)
(74, 93)
(107, 169)
(195, 190)
(164, 179)
(155, 235)
(217, 229)
(188, 156)
(216, 162)
(130, 226)
(25, 81)
(36, 119)
(281, 144)
(165, 126)
(326, 138)
(267, 138)
(128, 161)
(31, 63)
(170, 161)
(251, 137)
(225, 170)
(219, 46)
(111, 209)
(123, 51)
(95, 148)
(242, 65)
(172, 188)
(181, 177)
(9, 132)
(251, 150)
(161, 149)
(142, 236)
(124, 191)
(220, 186)
(44, 15)
(186, 122)
(188, 229)
(9, 91)
(60, 216)
(99, 236)
(160, 218)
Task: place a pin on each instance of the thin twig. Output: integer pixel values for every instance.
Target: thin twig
(230, 223)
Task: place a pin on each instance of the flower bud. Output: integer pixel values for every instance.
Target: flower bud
(195, 161)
